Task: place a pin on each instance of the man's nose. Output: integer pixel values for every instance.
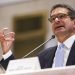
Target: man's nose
(57, 20)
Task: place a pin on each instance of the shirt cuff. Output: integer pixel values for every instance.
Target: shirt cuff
(7, 55)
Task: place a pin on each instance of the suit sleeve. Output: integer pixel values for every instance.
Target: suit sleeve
(4, 63)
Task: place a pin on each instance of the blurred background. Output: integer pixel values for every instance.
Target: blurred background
(29, 20)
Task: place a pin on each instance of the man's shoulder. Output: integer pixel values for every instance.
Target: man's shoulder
(48, 51)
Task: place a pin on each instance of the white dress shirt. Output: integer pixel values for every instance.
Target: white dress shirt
(8, 54)
(68, 44)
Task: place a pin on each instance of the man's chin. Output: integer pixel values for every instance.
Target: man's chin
(59, 33)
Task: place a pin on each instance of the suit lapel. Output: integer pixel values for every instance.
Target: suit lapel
(71, 58)
(51, 57)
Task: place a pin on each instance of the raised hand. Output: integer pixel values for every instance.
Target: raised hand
(6, 40)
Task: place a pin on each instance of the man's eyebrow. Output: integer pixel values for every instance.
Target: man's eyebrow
(58, 14)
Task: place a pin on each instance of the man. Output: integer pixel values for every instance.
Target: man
(62, 18)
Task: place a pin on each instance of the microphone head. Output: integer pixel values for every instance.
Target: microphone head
(53, 36)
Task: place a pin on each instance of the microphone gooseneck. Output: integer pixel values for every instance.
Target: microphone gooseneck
(53, 36)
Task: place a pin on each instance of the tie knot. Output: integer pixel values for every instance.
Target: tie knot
(61, 46)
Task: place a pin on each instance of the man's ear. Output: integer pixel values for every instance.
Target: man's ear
(74, 23)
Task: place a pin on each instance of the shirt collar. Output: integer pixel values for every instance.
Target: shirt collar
(69, 42)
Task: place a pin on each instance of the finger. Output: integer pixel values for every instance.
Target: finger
(9, 39)
(3, 31)
(12, 34)
(2, 38)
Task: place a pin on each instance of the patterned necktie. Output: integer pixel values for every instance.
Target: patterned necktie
(59, 56)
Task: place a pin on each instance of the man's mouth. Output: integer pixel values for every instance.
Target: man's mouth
(58, 27)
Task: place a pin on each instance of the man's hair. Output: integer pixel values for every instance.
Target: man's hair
(71, 11)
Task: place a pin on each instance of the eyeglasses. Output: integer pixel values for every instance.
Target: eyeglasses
(59, 16)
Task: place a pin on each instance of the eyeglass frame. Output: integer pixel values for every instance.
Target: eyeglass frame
(59, 16)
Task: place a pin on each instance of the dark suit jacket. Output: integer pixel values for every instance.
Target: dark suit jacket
(4, 63)
(46, 58)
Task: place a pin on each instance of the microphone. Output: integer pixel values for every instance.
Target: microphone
(52, 37)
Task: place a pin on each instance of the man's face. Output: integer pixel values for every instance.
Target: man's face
(62, 24)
